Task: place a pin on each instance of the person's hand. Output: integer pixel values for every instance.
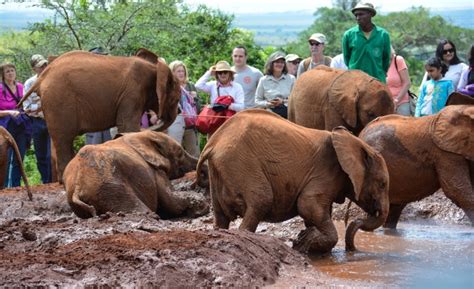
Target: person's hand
(14, 113)
(153, 117)
(276, 102)
(217, 107)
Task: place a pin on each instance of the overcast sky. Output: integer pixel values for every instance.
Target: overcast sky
(260, 6)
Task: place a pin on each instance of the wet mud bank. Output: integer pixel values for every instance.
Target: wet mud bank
(42, 243)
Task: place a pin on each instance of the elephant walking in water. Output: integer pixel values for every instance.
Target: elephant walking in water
(324, 98)
(131, 174)
(85, 92)
(265, 168)
(425, 154)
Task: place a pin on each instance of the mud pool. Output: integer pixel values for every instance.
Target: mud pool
(43, 244)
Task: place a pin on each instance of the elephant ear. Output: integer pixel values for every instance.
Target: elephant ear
(352, 154)
(459, 98)
(343, 95)
(147, 55)
(453, 130)
(168, 92)
(145, 143)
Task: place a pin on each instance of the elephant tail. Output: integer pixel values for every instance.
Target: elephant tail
(199, 167)
(32, 89)
(79, 207)
(13, 144)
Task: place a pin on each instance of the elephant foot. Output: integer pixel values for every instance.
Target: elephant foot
(311, 240)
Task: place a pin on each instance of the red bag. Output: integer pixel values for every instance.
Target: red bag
(208, 121)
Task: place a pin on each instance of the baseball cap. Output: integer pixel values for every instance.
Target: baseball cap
(319, 37)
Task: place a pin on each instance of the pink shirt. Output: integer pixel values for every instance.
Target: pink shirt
(394, 82)
(7, 101)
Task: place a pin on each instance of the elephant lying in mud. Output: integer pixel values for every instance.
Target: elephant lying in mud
(85, 92)
(6, 141)
(131, 174)
(324, 98)
(265, 168)
(425, 154)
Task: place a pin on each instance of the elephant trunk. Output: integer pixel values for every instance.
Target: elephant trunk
(372, 222)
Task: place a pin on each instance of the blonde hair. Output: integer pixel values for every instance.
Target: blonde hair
(177, 63)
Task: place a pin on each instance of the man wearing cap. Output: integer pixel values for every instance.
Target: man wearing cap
(292, 62)
(316, 42)
(245, 75)
(32, 107)
(367, 46)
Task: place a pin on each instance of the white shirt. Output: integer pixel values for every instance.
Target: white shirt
(235, 90)
(33, 102)
(338, 62)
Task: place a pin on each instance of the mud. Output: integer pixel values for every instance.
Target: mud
(42, 243)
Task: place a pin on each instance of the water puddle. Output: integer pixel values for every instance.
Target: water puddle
(413, 256)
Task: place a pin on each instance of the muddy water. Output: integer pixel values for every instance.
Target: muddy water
(413, 256)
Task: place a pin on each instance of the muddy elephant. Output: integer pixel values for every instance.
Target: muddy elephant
(459, 98)
(85, 92)
(265, 168)
(324, 98)
(131, 174)
(425, 154)
(7, 141)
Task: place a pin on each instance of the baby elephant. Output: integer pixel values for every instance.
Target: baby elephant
(6, 141)
(131, 174)
(265, 168)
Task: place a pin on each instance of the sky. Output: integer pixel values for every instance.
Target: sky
(261, 6)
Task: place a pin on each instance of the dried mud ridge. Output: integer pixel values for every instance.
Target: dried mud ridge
(43, 244)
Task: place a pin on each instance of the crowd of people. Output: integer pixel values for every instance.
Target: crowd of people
(365, 46)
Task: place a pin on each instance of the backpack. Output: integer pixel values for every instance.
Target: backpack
(307, 62)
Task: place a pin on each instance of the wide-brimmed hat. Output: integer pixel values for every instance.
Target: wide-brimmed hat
(222, 66)
(319, 37)
(292, 57)
(364, 6)
(38, 61)
(275, 56)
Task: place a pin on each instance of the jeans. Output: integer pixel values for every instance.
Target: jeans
(42, 144)
(98, 137)
(22, 140)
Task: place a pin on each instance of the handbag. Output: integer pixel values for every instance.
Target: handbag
(208, 121)
(188, 109)
(413, 98)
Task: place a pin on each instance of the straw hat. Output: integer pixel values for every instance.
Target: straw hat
(222, 66)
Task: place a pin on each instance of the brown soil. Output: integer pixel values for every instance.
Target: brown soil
(42, 243)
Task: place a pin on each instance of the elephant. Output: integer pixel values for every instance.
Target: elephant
(265, 168)
(131, 174)
(324, 98)
(425, 154)
(85, 92)
(6, 141)
(459, 98)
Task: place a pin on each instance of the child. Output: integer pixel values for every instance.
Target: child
(434, 92)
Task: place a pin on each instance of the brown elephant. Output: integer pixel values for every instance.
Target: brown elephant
(459, 98)
(425, 154)
(324, 98)
(6, 141)
(264, 168)
(85, 92)
(131, 174)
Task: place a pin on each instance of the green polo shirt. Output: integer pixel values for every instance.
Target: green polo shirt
(369, 55)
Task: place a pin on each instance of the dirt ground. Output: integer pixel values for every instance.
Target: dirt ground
(42, 243)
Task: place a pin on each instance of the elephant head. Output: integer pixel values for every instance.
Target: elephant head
(359, 98)
(163, 153)
(369, 177)
(452, 130)
(167, 90)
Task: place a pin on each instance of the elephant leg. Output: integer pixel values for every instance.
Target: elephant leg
(250, 220)
(64, 153)
(220, 218)
(320, 236)
(456, 184)
(393, 215)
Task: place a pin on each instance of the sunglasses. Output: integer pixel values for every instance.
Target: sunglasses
(295, 62)
(451, 50)
(314, 43)
(221, 72)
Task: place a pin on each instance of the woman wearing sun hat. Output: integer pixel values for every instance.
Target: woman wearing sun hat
(275, 86)
(223, 85)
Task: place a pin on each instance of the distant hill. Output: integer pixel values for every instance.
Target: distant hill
(270, 28)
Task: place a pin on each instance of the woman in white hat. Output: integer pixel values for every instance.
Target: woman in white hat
(275, 86)
(223, 85)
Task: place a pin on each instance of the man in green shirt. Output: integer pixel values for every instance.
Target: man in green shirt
(366, 46)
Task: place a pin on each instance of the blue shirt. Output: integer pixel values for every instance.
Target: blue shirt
(433, 96)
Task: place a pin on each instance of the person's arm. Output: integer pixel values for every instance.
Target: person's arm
(300, 69)
(346, 51)
(239, 98)
(13, 113)
(260, 100)
(404, 78)
(463, 81)
(202, 84)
